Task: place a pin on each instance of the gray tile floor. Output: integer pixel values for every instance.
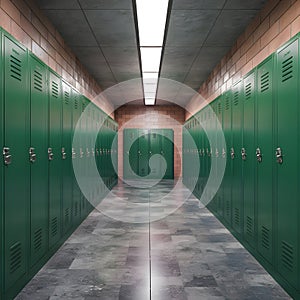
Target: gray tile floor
(184, 255)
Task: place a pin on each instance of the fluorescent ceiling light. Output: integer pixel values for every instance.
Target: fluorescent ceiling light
(152, 15)
(150, 101)
(150, 57)
(150, 75)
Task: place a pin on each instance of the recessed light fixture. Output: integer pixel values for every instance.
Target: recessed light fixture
(152, 16)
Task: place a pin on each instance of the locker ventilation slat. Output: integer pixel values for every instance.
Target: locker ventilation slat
(54, 89)
(236, 98)
(287, 255)
(76, 209)
(227, 208)
(249, 226)
(38, 81)
(219, 108)
(248, 91)
(37, 240)
(54, 226)
(15, 253)
(265, 82)
(67, 97)
(227, 103)
(265, 237)
(15, 68)
(67, 214)
(76, 103)
(287, 69)
(237, 216)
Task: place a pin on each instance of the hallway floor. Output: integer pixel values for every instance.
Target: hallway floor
(187, 254)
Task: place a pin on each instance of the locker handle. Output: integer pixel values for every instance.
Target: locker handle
(223, 153)
(63, 153)
(244, 154)
(32, 155)
(203, 152)
(97, 152)
(93, 152)
(232, 154)
(50, 154)
(7, 156)
(279, 155)
(217, 152)
(258, 155)
(73, 153)
(81, 153)
(162, 152)
(87, 152)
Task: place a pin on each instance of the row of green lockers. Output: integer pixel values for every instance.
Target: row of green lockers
(259, 197)
(41, 202)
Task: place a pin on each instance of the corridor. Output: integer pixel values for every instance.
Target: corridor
(187, 254)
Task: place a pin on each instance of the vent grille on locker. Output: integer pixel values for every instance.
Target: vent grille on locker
(265, 82)
(287, 69)
(15, 68)
(54, 89)
(38, 81)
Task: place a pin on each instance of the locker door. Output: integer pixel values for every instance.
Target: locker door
(167, 151)
(287, 171)
(66, 153)
(248, 158)
(143, 153)
(55, 135)
(130, 153)
(2, 169)
(155, 148)
(226, 153)
(39, 160)
(75, 155)
(16, 171)
(236, 146)
(264, 158)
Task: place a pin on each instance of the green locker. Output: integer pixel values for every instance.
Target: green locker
(226, 154)
(143, 153)
(38, 155)
(75, 155)
(66, 153)
(54, 158)
(236, 157)
(287, 153)
(16, 158)
(130, 137)
(248, 158)
(264, 153)
(167, 151)
(1, 172)
(155, 140)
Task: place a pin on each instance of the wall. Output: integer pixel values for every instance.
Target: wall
(277, 22)
(165, 116)
(25, 22)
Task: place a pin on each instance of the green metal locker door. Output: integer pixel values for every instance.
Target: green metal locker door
(1, 172)
(248, 158)
(55, 160)
(66, 153)
(167, 151)
(75, 155)
(287, 152)
(155, 138)
(38, 154)
(226, 154)
(143, 152)
(130, 153)
(16, 158)
(235, 154)
(264, 158)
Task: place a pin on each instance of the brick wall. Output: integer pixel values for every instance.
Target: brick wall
(165, 116)
(25, 22)
(277, 22)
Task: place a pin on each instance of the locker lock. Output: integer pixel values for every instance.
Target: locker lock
(139, 152)
(102, 152)
(81, 153)
(63, 153)
(150, 152)
(162, 152)
(258, 155)
(223, 153)
(87, 152)
(232, 154)
(244, 154)
(50, 154)
(97, 151)
(93, 152)
(6, 156)
(32, 155)
(279, 155)
(73, 153)
(217, 152)
(200, 152)
(203, 152)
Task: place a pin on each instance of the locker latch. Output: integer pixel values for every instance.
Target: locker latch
(32, 155)
(139, 152)
(97, 151)
(6, 156)
(150, 152)
(93, 152)
(102, 152)
(223, 153)
(87, 152)
(162, 153)
(217, 152)
(232, 154)
(203, 152)
(50, 154)
(258, 155)
(63, 153)
(81, 153)
(279, 155)
(73, 153)
(244, 154)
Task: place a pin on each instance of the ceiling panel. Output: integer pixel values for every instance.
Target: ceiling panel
(238, 4)
(199, 4)
(58, 4)
(106, 4)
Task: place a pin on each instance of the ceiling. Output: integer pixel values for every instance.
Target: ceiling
(102, 34)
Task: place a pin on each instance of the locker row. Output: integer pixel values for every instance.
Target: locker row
(258, 199)
(140, 145)
(41, 202)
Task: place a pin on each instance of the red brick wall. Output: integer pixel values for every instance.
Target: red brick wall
(277, 22)
(25, 22)
(166, 116)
